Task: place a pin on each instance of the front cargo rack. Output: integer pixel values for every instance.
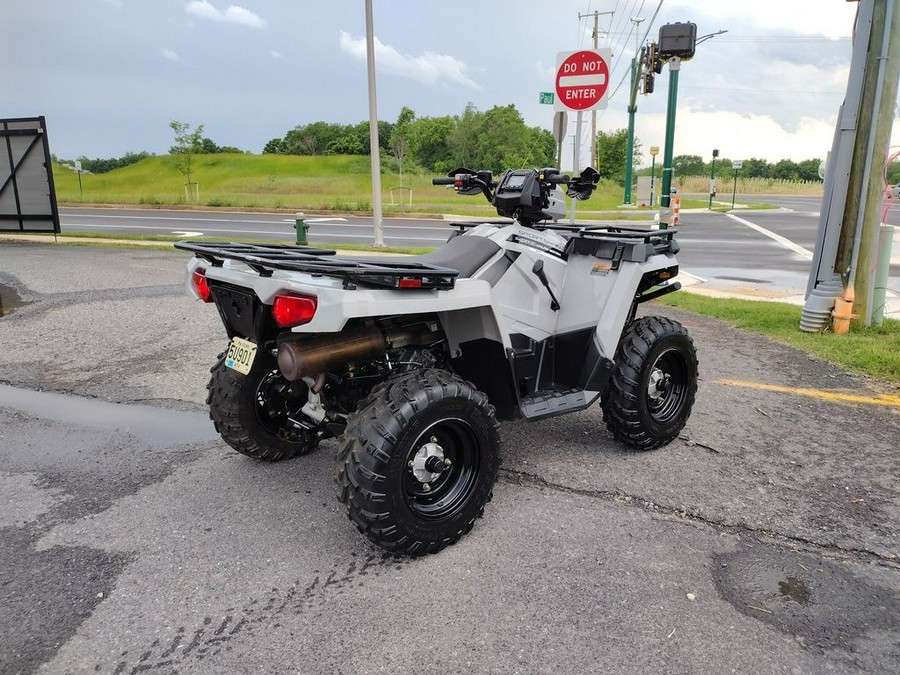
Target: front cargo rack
(378, 272)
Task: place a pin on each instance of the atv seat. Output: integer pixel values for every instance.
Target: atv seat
(465, 254)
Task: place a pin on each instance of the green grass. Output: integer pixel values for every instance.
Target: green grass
(873, 351)
(328, 183)
(103, 239)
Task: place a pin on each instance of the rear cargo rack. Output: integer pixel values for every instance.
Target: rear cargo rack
(378, 272)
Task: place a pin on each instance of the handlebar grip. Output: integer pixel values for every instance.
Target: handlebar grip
(558, 180)
(443, 181)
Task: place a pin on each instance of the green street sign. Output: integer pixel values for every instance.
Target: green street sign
(546, 98)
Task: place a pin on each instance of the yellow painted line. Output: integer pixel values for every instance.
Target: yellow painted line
(881, 399)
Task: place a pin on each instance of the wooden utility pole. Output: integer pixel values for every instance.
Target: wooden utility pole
(596, 36)
(860, 226)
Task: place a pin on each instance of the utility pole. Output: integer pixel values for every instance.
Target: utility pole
(862, 216)
(596, 35)
(632, 108)
(843, 265)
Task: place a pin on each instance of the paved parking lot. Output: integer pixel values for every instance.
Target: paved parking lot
(131, 539)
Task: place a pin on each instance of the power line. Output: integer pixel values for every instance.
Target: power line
(649, 28)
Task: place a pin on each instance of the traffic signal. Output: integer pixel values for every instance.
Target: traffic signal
(647, 83)
(654, 63)
(678, 40)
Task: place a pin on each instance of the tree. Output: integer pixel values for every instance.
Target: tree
(103, 165)
(808, 169)
(400, 136)
(428, 143)
(347, 144)
(756, 168)
(785, 169)
(689, 165)
(612, 148)
(188, 142)
(274, 147)
(463, 137)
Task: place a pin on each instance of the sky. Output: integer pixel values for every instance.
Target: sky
(109, 75)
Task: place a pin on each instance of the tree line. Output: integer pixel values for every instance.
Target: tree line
(493, 139)
(783, 169)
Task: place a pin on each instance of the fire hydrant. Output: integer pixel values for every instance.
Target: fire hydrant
(302, 228)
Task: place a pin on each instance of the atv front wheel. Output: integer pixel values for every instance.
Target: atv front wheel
(418, 461)
(253, 412)
(651, 392)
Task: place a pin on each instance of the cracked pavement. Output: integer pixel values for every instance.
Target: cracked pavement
(764, 539)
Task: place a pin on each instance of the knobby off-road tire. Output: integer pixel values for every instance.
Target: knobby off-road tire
(405, 419)
(652, 389)
(250, 411)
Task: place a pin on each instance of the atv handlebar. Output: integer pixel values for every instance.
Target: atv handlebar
(443, 181)
(557, 180)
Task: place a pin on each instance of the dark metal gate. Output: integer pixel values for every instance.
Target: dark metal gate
(27, 193)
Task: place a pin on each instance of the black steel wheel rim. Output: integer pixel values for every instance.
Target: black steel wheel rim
(276, 401)
(667, 386)
(450, 491)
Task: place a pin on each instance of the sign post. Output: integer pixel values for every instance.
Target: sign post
(560, 124)
(736, 166)
(78, 171)
(582, 82)
(712, 176)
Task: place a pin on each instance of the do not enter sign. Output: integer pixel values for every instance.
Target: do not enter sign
(582, 79)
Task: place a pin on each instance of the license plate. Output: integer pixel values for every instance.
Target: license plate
(240, 355)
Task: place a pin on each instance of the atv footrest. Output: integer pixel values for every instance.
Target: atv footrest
(554, 402)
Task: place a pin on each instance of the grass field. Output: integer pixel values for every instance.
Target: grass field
(874, 351)
(326, 183)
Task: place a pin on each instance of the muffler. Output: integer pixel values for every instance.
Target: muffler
(305, 358)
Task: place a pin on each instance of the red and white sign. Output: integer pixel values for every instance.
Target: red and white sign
(582, 79)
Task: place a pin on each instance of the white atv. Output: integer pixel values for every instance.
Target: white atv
(411, 361)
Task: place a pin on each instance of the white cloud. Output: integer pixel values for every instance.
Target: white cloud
(428, 68)
(739, 136)
(274, 54)
(807, 17)
(233, 14)
(169, 54)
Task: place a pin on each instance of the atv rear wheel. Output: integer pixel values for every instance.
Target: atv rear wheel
(418, 461)
(252, 412)
(652, 389)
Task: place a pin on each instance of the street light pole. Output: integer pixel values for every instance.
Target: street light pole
(665, 197)
(632, 109)
(373, 130)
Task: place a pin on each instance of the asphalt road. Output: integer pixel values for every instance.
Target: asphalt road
(725, 252)
(763, 540)
(278, 227)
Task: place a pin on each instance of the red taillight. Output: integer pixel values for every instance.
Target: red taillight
(409, 282)
(293, 310)
(201, 285)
